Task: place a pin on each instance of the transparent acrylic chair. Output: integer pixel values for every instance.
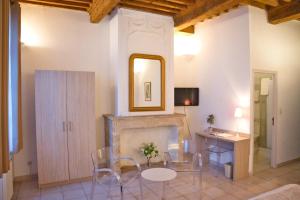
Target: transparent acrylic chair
(184, 162)
(218, 149)
(104, 174)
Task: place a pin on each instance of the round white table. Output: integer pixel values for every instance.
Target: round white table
(159, 175)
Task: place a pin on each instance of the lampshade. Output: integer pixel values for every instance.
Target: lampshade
(238, 113)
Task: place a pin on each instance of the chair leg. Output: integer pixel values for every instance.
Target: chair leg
(207, 158)
(109, 188)
(194, 179)
(141, 188)
(218, 162)
(207, 154)
(163, 190)
(93, 187)
(197, 176)
(200, 180)
(122, 192)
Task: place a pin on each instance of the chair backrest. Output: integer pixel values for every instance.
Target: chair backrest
(167, 158)
(197, 160)
(100, 158)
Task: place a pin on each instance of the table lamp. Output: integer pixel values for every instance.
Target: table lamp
(238, 114)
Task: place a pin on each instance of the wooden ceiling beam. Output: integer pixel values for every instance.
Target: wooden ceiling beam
(200, 12)
(185, 2)
(147, 9)
(268, 2)
(80, 1)
(58, 4)
(284, 12)
(63, 3)
(166, 4)
(149, 6)
(253, 3)
(190, 30)
(100, 8)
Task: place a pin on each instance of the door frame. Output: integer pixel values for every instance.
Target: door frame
(274, 152)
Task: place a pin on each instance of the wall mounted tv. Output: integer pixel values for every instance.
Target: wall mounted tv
(186, 96)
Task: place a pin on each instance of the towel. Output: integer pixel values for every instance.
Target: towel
(264, 86)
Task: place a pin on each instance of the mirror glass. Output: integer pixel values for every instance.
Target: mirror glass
(146, 83)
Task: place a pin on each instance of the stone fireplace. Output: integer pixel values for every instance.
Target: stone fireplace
(119, 130)
(134, 32)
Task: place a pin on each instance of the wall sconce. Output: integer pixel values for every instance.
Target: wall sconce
(185, 44)
(29, 36)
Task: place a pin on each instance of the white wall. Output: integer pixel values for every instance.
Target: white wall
(221, 70)
(59, 39)
(140, 32)
(277, 48)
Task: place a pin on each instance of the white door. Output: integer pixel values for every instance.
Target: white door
(270, 115)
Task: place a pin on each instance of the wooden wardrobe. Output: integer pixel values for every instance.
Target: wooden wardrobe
(65, 125)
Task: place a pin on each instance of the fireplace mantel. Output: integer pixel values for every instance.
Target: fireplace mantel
(148, 121)
(115, 124)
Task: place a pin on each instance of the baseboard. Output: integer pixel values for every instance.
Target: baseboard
(35, 177)
(288, 162)
(61, 183)
(25, 178)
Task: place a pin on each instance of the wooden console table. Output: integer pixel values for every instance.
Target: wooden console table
(239, 145)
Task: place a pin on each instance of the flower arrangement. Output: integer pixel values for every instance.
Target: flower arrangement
(149, 151)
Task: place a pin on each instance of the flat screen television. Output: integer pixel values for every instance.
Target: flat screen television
(186, 96)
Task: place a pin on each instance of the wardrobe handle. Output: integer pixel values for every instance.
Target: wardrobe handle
(70, 126)
(64, 126)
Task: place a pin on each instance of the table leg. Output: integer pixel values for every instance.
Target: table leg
(163, 190)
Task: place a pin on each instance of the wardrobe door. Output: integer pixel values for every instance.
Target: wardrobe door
(51, 130)
(81, 122)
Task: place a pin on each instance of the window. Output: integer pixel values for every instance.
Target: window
(14, 72)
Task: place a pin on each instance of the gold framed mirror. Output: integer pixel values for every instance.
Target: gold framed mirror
(146, 83)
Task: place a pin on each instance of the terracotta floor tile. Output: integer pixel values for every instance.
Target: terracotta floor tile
(53, 196)
(182, 188)
(214, 192)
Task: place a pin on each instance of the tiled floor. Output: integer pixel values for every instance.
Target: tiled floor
(180, 189)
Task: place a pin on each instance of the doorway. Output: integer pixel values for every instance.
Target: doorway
(264, 121)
